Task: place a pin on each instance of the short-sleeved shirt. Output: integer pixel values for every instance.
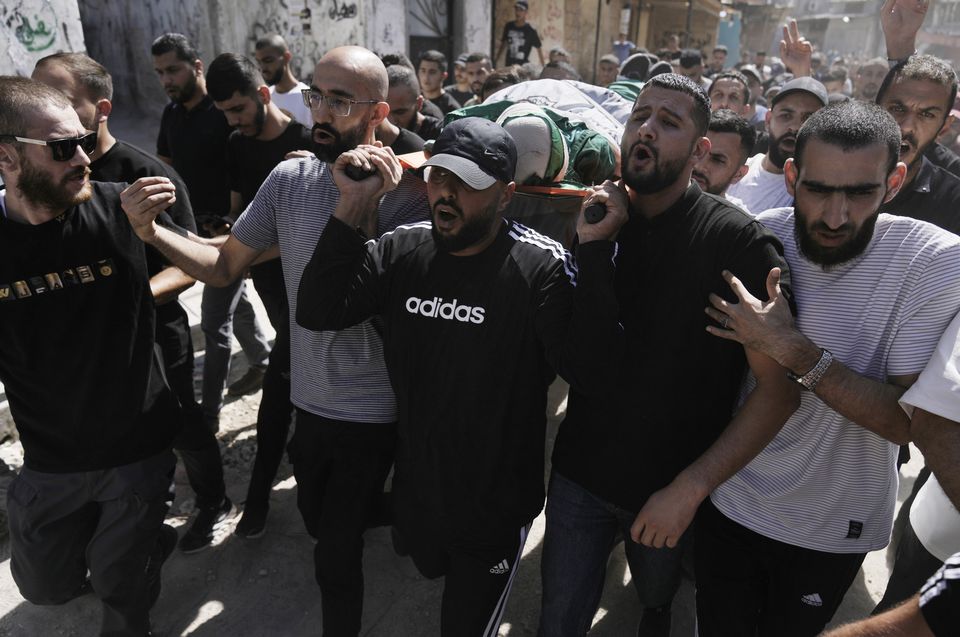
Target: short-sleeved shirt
(250, 160)
(933, 195)
(196, 141)
(519, 42)
(292, 104)
(759, 189)
(462, 97)
(338, 375)
(825, 483)
(445, 102)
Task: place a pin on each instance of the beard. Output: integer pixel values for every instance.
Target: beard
(273, 80)
(472, 232)
(342, 142)
(709, 187)
(831, 257)
(259, 119)
(38, 187)
(663, 175)
(778, 156)
(185, 93)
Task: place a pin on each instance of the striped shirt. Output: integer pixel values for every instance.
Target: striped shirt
(338, 375)
(824, 483)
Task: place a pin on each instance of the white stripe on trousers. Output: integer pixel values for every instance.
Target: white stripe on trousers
(493, 626)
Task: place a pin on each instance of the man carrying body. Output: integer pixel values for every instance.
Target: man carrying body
(763, 186)
(731, 140)
(783, 539)
(263, 136)
(81, 371)
(431, 73)
(460, 297)
(274, 57)
(644, 471)
(193, 139)
(345, 436)
(89, 87)
(518, 38)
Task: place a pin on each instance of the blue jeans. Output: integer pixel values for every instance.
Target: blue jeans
(222, 311)
(581, 531)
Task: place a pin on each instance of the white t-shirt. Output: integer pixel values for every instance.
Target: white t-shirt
(933, 517)
(292, 104)
(823, 482)
(760, 190)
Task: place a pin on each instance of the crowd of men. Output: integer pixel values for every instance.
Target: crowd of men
(768, 309)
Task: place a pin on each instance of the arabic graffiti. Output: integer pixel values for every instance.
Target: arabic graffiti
(341, 12)
(37, 32)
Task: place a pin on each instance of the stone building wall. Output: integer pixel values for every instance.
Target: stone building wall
(32, 29)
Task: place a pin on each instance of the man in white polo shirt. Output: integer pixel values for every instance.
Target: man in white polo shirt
(781, 541)
(273, 56)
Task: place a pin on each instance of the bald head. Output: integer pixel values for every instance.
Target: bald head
(365, 68)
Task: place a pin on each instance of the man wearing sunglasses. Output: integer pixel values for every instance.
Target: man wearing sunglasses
(81, 372)
(89, 87)
(345, 436)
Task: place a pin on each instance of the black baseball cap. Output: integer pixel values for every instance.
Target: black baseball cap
(476, 150)
(805, 84)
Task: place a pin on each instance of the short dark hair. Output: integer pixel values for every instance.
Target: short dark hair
(720, 48)
(271, 41)
(701, 103)
(400, 75)
(230, 73)
(21, 97)
(851, 126)
(565, 68)
(392, 59)
(480, 57)
(497, 80)
(736, 76)
(178, 43)
(690, 57)
(610, 58)
(726, 121)
(92, 75)
(923, 67)
(433, 56)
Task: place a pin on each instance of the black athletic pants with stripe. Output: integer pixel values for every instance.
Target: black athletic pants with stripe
(479, 575)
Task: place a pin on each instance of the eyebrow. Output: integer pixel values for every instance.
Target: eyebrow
(669, 111)
(848, 188)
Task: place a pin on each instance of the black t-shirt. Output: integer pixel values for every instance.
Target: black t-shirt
(445, 102)
(470, 344)
(250, 160)
(462, 97)
(407, 142)
(431, 110)
(196, 141)
(429, 128)
(78, 359)
(942, 156)
(519, 42)
(677, 385)
(933, 196)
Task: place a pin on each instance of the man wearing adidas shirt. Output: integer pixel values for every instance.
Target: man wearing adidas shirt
(782, 540)
(477, 313)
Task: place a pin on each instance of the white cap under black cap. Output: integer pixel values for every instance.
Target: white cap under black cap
(476, 150)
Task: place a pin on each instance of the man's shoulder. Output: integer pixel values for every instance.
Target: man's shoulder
(914, 234)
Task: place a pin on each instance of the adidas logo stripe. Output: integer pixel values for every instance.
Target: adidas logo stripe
(500, 568)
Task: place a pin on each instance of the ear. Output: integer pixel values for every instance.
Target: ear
(766, 118)
(380, 112)
(506, 196)
(264, 93)
(287, 56)
(700, 150)
(740, 174)
(104, 108)
(790, 174)
(419, 102)
(198, 66)
(9, 158)
(444, 76)
(895, 181)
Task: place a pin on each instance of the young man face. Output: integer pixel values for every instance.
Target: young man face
(659, 140)
(272, 64)
(404, 106)
(730, 94)
(783, 122)
(58, 77)
(607, 72)
(838, 194)
(178, 77)
(723, 165)
(476, 73)
(335, 134)
(246, 113)
(462, 217)
(718, 59)
(920, 108)
(868, 80)
(431, 77)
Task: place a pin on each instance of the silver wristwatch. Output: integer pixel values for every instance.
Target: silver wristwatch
(811, 378)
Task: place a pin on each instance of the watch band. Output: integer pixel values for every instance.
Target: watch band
(811, 378)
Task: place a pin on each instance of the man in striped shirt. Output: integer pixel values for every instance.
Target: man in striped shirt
(346, 412)
(782, 540)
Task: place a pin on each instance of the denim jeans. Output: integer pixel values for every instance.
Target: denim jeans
(222, 311)
(581, 531)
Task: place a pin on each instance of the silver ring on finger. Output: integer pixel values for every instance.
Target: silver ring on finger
(725, 322)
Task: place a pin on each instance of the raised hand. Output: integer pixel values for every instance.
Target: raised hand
(901, 20)
(795, 51)
(143, 200)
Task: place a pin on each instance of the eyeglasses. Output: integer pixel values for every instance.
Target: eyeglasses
(63, 149)
(339, 106)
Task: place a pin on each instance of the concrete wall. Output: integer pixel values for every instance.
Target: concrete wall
(32, 29)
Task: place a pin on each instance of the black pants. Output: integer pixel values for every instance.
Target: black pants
(750, 585)
(913, 567)
(197, 443)
(107, 521)
(340, 469)
(478, 574)
(273, 422)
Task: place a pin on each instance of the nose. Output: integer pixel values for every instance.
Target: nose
(79, 158)
(837, 211)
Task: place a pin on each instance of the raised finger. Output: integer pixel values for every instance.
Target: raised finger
(737, 286)
(718, 316)
(719, 302)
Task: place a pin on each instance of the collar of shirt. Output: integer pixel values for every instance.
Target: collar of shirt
(674, 213)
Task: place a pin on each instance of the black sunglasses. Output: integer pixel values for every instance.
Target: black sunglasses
(63, 149)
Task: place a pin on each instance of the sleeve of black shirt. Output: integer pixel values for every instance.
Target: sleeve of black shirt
(162, 148)
(579, 323)
(535, 39)
(750, 258)
(340, 285)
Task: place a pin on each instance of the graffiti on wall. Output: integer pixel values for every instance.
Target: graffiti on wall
(343, 11)
(553, 29)
(34, 27)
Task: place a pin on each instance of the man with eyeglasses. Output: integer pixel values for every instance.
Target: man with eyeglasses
(345, 436)
(81, 372)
